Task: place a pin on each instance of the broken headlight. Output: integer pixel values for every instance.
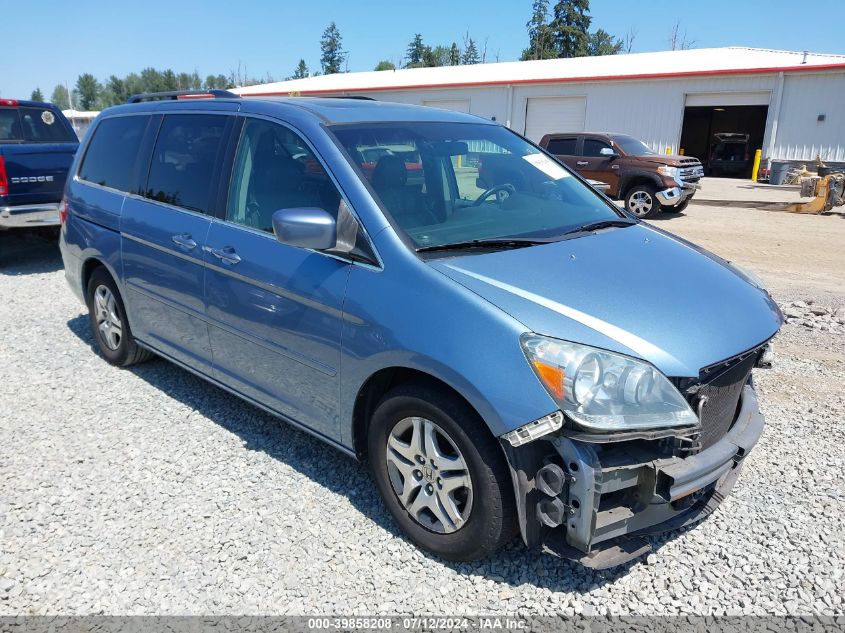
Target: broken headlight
(602, 391)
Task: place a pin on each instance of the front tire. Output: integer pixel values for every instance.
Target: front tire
(642, 202)
(441, 474)
(109, 323)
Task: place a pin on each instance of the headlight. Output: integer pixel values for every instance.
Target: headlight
(603, 391)
(666, 170)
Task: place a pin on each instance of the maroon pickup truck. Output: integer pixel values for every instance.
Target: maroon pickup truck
(648, 182)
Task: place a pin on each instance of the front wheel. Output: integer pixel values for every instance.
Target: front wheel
(642, 202)
(678, 207)
(441, 474)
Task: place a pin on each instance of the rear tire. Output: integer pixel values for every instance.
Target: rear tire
(109, 324)
(642, 202)
(476, 517)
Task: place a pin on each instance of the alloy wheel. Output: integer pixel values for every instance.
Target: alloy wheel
(640, 203)
(429, 475)
(108, 321)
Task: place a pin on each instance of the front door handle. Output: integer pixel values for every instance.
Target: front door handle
(582, 163)
(184, 241)
(226, 254)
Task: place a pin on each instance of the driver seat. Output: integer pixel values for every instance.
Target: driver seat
(390, 180)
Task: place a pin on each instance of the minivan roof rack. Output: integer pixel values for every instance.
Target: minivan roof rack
(182, 94)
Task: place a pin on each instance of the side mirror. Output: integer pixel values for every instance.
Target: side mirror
(608, 152)
(305, 227)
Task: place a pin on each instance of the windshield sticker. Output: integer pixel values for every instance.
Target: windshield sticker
(48, 117)
(547, 166)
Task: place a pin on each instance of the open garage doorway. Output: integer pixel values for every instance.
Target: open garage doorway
(724, 137)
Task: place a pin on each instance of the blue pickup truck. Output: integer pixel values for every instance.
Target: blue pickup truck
(37, 144)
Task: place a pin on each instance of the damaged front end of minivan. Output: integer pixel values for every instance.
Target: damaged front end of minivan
(623, 457)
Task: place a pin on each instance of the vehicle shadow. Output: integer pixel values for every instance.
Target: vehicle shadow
(28, 253)
(514, 564)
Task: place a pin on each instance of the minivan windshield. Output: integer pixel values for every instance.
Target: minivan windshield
(460, 183)
(632, 146)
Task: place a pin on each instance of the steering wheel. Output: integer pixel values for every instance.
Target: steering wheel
(503, 192)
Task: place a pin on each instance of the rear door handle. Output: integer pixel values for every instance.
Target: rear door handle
(184, 241)
(226, 254)
(582, 163)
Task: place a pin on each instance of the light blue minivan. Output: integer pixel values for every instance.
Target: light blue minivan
(429, 292)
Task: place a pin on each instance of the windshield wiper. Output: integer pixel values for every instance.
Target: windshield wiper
(498, 243)
(600, 224)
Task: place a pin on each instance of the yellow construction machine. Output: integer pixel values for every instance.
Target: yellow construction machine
(827, 191)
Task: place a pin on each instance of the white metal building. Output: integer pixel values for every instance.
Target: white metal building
(80, 120)
(791, 104)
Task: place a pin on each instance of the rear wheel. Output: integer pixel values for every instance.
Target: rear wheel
(441, 474)
(641, 201)
(109, 323)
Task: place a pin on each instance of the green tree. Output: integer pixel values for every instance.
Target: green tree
(331, 48)
(570, 28)
(603, 43)
(218, 82)
(169, 81)
(385, 65)
(301, 71)
(37, 95)
(88, 89)
(416, 52)
(454, 55)
(540, 40)
(116, 88)
(470, 55)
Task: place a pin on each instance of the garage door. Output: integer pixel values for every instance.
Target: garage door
(728, 98)
(544, 115)
(456, 105)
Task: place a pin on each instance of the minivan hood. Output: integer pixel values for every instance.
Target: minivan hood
(634, 290)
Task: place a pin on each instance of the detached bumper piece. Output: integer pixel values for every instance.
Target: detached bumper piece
(674, 196)
(595, 502)
(29, 216)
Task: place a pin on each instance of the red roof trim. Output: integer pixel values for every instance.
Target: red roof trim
(515, 82)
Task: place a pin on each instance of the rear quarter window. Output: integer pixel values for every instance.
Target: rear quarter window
(42, 125)
(113, 151)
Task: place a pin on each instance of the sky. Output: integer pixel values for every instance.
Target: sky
(55, 41)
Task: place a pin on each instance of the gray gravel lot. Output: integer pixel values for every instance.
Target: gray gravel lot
(149, 491)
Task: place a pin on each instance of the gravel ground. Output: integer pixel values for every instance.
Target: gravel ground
(149, 491)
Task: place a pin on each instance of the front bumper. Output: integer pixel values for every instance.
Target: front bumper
(29, 216)
(615, 493)
(673, 196)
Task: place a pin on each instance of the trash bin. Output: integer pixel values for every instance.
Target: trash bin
(778, 174)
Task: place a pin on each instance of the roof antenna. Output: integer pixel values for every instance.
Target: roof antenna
(804, 61)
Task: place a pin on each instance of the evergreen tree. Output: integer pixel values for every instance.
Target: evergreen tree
(454, 55)
(570, 28)
(331, 46)
(603, 43)
(540, 40)
(301, 71)
(470, 55)
(37, 95)
(116, 88)
(88, 89)
(416, 52)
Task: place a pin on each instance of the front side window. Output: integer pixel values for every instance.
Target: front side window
(593, 147)
(112, 152)
(274, 169)
(184, 160)
(562, 146)
(447, 183)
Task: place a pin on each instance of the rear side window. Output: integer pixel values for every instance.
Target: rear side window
(34, 125)
(184, 160)
(562, 146)
(112, 152)
(594, 146)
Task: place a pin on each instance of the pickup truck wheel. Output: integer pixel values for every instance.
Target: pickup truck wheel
(109, 323)
(441, 473)
(677, 208)
(641, 201)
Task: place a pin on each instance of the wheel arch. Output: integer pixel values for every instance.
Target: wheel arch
(637, 179)
(381, 382)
